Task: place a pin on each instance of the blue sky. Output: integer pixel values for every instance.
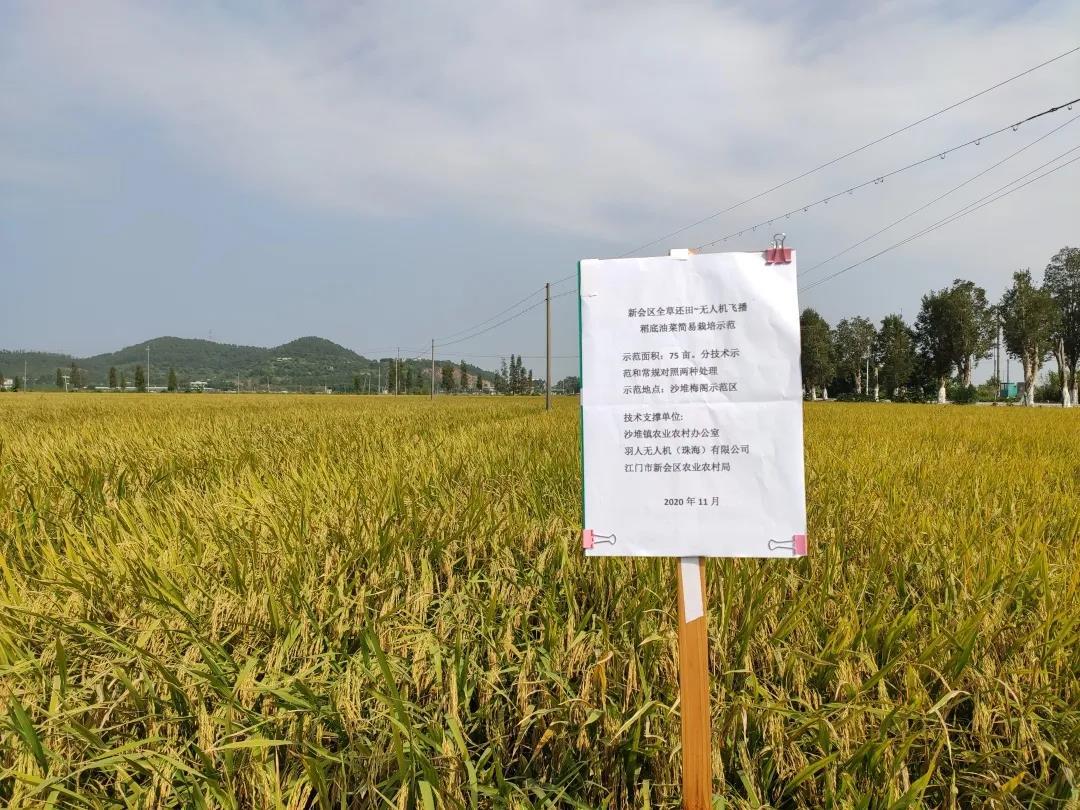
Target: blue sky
(382, 173)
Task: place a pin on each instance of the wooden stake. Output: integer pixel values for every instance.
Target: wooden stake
(694, 686)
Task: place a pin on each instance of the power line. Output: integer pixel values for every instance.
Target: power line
(524, 356)
(804, 273)
(376, 351)
(493, 317)
(846, 155)
(488, 329)
(878, 179)
(475, 330)
(881, 178)
(959, 214)
(504, 320)
(508, 309)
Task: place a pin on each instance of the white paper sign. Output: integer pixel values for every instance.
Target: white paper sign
(691, 402)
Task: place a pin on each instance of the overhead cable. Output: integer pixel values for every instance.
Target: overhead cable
(804, 273)
(848, 154)
(475, 330)
(504, 320)
(971, 208)
(881, 178)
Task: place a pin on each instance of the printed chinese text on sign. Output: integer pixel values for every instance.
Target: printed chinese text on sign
(692, 406)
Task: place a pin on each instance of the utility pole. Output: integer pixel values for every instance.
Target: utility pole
(997, 361)
(433, 368)
(148, 368)
(397, 372)
(547, 376)
(378, 388)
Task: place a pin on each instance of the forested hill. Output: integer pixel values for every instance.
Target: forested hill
(304, 363)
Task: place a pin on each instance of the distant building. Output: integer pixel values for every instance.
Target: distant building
(1012, 390)
(198, 385)
(7, 385)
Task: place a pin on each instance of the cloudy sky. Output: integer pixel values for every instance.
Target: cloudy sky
(382, 173)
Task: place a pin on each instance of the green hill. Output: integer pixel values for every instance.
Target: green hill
(307, 363)
(39, 365)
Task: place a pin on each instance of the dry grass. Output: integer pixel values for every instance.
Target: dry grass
(357, 602)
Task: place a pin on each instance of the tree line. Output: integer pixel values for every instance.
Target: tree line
(414, 377)
(74, 378)
(955, 328)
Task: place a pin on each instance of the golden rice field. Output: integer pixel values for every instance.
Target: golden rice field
(290, 602)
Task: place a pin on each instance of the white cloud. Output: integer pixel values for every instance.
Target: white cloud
(553, 114)
(613, 121)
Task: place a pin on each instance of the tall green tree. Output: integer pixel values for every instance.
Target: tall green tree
(112, 376)
(140, 379)
(818, 363)
(1062, 280)
(524, 377)
(123, 381)
(502, 381)
(894, 355)
(479, 381)
(973, 328)
(854, 339)
(59, 378)
(447, 377)
(75, 376)
(570, 385)
(172, 384)
(17, 384)
(934, 337)
(356, 384)
(391, 375)
(1029, 322)
(463, 372)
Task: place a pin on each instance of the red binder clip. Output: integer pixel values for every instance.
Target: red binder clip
(778, 254)
(588, 539)
(796, 545)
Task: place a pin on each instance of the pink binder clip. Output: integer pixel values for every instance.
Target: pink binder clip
(778, 254)
(796, 545)
(588, 539)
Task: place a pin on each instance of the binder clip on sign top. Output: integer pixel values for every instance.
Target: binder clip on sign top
(778, 254)
(692, 433)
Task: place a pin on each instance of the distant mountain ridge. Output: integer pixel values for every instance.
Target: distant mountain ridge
(305, 363)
